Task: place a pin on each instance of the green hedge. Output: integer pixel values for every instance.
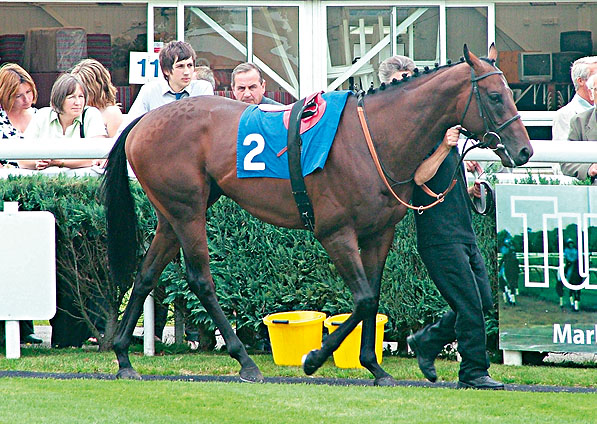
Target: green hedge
(258, 269)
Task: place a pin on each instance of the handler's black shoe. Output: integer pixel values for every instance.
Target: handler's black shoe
(481, 383)
(425, 361)
(32, 339)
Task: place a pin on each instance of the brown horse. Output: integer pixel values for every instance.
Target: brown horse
(184, 156)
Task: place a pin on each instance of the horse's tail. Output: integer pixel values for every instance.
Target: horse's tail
(121, 219)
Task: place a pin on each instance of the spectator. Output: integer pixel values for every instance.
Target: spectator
(583, 126)
(17, 95)
(101, 93)
(67, 117)
(177, 61)
(248, 85)
(203, 72)
(580, 72)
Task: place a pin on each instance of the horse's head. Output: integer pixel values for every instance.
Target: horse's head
(490, 114)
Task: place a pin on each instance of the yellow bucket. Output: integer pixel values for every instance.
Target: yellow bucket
(294, 334)
(347, 354)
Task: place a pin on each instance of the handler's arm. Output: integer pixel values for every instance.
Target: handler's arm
(429, 167)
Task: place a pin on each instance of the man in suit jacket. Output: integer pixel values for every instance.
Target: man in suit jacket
(580, 72)
(583, 126)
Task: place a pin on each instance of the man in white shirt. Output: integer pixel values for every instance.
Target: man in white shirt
(580, 72)
(177, 60)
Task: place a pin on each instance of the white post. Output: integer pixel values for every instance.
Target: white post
(13, 336)
(13, 343)
(512, 357)
(148, 326)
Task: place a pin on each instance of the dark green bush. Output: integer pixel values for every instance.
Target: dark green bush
(258, 269)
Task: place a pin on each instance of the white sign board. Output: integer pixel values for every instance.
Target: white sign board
(144, 67)
(28, 266)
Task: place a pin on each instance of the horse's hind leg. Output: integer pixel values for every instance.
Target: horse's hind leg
(373, 254)
(193, 237)
(163, 249)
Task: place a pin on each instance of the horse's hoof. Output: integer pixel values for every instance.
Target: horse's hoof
(128, 374)
(308, 360)
(251, 375)
(387, 381)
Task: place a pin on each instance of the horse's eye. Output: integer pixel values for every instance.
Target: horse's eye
(495, 97)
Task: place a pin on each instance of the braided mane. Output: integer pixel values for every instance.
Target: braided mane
(417, 73)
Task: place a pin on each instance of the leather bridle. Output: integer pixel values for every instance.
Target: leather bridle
(491, 138)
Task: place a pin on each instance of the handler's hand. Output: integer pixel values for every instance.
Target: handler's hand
(473, 166)
(475, 190)
(451, 137)
(42, 164)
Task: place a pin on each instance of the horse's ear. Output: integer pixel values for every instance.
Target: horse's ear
(468, 56)
(493, 53)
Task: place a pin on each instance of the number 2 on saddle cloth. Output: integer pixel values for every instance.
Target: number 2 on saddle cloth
(262, 136)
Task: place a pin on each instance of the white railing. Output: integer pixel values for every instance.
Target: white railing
(548, 151)
(537, 118)
(93, 148)
(545, 150)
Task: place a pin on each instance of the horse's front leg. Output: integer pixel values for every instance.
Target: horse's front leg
(342, 246)
(374, 251)
(163, 249)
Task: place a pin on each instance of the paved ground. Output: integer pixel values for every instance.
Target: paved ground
(45, 333)
(288, 380)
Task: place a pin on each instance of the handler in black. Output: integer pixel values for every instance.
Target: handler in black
(447, 245)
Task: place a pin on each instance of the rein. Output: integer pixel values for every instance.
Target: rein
(382, 173)
(485, 142)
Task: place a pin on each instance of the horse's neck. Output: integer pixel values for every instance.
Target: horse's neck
(409, 121)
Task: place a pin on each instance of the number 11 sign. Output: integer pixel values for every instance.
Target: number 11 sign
(144, 67)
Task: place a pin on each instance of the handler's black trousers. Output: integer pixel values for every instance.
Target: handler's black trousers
(459, 273)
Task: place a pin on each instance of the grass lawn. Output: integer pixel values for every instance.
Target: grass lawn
(90, 401)
(85, 401)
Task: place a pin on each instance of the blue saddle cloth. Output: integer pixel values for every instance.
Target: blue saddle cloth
(262, 138)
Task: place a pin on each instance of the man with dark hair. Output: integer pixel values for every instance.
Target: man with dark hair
(248, 85)
(177, 61)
